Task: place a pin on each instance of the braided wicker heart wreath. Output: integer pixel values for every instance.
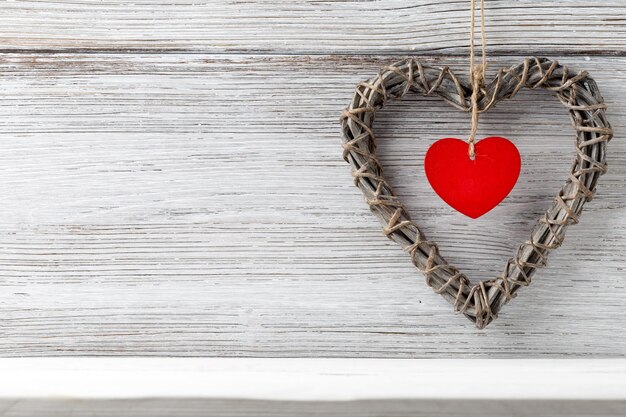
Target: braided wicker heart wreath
(578, 93)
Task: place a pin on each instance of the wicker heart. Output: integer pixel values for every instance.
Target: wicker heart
(578, 93)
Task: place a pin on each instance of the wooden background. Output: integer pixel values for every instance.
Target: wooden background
(172, 181)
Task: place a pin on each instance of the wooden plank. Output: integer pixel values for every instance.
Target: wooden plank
(339, 387)
(193, 407)
(198, 205)
(319, 379)
(276, 26)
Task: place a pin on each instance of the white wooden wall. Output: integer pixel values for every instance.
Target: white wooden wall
(172, 181)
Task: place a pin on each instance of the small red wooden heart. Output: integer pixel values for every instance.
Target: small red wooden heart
(472, 187)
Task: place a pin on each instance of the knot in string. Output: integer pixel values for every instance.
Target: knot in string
(477, 73)
(478, 81)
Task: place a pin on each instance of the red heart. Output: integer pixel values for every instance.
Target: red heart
(472, 187)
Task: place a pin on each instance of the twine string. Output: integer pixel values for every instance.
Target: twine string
(477, 72)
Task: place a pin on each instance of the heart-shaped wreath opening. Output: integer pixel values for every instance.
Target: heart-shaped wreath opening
(578, 93)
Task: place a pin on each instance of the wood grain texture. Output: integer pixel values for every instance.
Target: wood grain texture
(315, 27)
(197, 204)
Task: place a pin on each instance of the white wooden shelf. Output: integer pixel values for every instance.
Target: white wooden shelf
(340, 386)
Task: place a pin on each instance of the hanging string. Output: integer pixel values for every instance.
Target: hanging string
(477, 72)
